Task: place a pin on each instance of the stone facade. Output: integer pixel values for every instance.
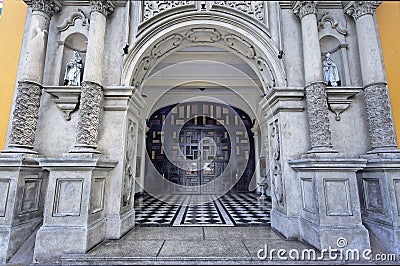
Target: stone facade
(75, 156)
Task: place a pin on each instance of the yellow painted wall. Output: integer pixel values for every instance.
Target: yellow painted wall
(12, 22)
(388, 16)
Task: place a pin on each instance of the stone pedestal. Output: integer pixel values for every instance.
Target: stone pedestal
(330, 206)
(22, 188)
(74, 212)
(379, 183)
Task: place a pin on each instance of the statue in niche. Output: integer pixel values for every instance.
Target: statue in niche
(73, 71)
(331, 73)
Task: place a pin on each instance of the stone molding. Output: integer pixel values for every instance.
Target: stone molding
(25, 114)
(357, 9)
(89, 114)
(304, 8)
(379, 116)
(318, 120)
(105, 7)
(49, 7)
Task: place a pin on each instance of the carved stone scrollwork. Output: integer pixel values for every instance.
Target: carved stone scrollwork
(203, 35)
(380, 120)
(360, 8)
(240, 45)
(317, 112)
(152, 8)
(253, 8)
(25, 115)
(128, 184)
(89, 114)
(166, 45)
(303, 8)
(50, 7)
(276, 172)
(105, 7)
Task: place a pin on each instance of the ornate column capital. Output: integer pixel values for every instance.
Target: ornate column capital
(105, 7)
(304, 8)
(357, 9)
(49, 7)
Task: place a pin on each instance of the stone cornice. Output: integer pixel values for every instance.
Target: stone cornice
(304, 8)
(105, 7)
(357, 9)
(49, 7)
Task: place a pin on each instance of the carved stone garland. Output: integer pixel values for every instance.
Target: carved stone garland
(128, 184)
(25, 114)
(380, 120)
(253, 8)
(50, 7)
(276, 171)
(317, 111)
(152, 8)
(89, 114)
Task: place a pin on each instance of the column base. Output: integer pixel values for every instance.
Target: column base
(15, 150)
(330, 206)
(288, 226)
(74, 207)
(84, 150)
(119, 225)
(380, 186)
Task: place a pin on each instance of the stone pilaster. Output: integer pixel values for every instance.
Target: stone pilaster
(27, 102)
(317, 106)
(89, 112)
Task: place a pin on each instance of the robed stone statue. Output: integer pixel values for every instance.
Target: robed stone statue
(73, 71)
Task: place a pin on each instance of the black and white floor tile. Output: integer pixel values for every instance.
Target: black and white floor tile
(230, 210)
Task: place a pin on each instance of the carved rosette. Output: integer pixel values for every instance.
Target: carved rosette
(89, 114)
(380, 120)
(317, 112)
(304, 8)
(360, 8)
(25, 115)
(105, 7)
(50, 7)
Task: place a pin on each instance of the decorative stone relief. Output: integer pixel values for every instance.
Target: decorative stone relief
(129, 175)
(50, 7)
(72, 20)
(196, 36)
(276, 171)
(152, 8)
(166, 45)
(105, 7)
(254, 9)
(339, 99)
(335, 24)
(317, 112)
(303, 8)
(89, 114)
(380, 120)
(360, 8)
(25, 114)
(240, 45)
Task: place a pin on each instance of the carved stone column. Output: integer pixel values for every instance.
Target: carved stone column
(26, 110)
(380, 119)
(88, 123)
(379, 180)
(317, 106)
(329, 202)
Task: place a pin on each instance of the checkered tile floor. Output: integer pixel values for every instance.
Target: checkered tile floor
(186, 210)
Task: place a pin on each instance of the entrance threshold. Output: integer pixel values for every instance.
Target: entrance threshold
(236, 209)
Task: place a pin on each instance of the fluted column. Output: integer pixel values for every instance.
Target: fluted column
(89, 112)
(379, 113)
(317, 106)
(27, 102)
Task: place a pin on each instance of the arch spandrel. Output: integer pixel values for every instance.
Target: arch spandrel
(255, 48)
